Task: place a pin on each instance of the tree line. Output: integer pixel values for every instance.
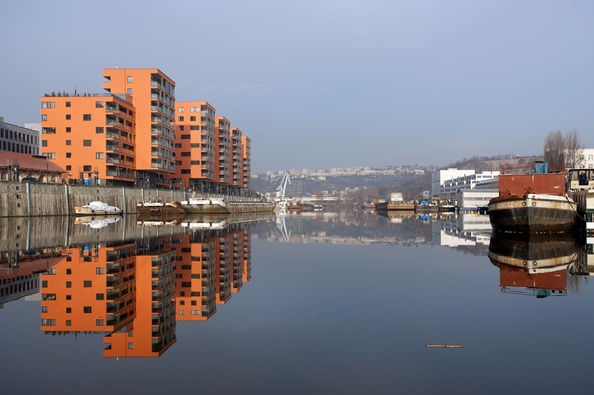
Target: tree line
(563, 149)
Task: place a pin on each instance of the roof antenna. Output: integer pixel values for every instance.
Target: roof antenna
(116, 66)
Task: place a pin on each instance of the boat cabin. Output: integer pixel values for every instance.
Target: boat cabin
(580, 179)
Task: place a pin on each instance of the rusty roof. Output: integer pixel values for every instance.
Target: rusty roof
(29, 162)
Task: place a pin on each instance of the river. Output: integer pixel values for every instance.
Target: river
(310, 303)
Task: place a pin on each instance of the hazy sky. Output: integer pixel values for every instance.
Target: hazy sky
(327, 83)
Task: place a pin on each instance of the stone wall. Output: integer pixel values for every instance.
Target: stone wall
(38, 199)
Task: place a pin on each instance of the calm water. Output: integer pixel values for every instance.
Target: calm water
(333, 303)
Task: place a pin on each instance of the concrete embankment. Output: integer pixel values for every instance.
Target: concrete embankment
(38, 200)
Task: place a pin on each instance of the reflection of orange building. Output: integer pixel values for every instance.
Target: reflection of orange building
(195, 282)
(89, 290)
(195, 144)
(92, 137)
(153, 96)
(153, 330)
(210, 267)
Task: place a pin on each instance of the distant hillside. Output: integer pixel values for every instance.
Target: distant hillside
(377, 186)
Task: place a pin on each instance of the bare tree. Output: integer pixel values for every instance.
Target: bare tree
(574, 149)
(554, 148)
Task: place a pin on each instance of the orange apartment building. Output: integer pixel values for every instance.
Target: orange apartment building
(136, 134)
(195, 145)
(246, 145)
(223, 152)
(236, 158)
(91, 136)
(153, 96)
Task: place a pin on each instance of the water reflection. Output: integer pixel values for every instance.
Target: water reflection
(537, 264)
(129, 280)
(132, 279)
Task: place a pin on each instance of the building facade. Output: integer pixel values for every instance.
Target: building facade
(19, 139)
(153, 96)
(439, 177)
(91, 136)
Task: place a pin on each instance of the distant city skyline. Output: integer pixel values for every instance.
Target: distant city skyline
(325, 84)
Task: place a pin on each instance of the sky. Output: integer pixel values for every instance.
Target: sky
(327, 83)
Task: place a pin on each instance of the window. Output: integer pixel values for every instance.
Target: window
(99, 322)
(87, 309)
(68, 310)
(68, 271)
(180, 119)
(67, 104)
(185, 171)
(87, 283)
(68, 155)
(86, 117)
(86, 143)
(180, 109)
(48, 104)
(44, 284)
(44, 309)
(129, 91)
(182, 302)
(185, 154)
(181, 127)
(100, 297)
(129, 78)
(68, 167)
(48, 322)
(99, 129)
(68, 323)
(99, 155)
(192, 118)
(193, 303)
(48, 296)
(68, 284)
(68, 142)
(68, 129)
(194, 127)
(44, 143)
(43, 117)
(48, 130)
(68, 297)
(68, 116)
(185, 136)
(99, 104)
(100, 270)
(130, 346)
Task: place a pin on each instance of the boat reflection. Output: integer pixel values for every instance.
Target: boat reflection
(534, 264)
(131, 289)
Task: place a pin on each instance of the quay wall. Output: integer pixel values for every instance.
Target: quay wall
(19, 199)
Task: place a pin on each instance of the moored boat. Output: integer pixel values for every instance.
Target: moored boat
(208, 205)
(97, 209)
(160, 208)
(532, 202)
(532, 213)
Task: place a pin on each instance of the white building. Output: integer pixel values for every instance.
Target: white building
(586, 159)
(439, 178)
(451, 187)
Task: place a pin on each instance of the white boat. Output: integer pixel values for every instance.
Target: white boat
(97, 208)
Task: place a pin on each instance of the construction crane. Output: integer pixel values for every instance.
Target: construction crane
(282, 188)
